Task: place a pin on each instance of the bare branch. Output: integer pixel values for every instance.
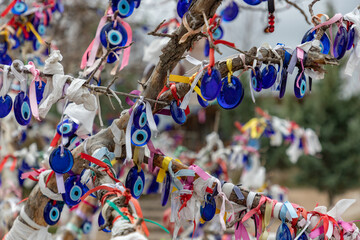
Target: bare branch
(155, 33)
(311, 5)
(298, 8)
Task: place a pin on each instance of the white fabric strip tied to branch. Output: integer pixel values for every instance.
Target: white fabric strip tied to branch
(6, 83)
(30, 230)
(119, 139)
(150, 120)
(354, 59)
(19, 76)
(194, 61)
(45, 190)
(81, 95)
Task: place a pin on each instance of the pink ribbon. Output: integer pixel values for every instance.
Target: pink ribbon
(200, 172)
(126, 55)
(32, 91)
(86, 55)
(34, 173)
(60, 183)
(241, 232)
(129, 101)
(300, 55)
(153, 151)
(332, 20)
(96, 42)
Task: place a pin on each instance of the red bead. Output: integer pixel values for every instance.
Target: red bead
(271, 22)
(271, 17)
(271, 28)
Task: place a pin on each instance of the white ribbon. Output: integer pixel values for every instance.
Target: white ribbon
(81, 95)
(45, 190)
(19, 76)
(181, 173)
(6, 84)
(354, 59)
(119, 137)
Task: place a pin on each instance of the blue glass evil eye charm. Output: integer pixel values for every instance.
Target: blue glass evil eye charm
(5, 59)
(303, 236)
(324, 41)
(86, 227)
(202, 103)
(140, 118)
(19, 8)
(22, 109)
(256, 80)
(207, 211)
(135, 181)
(165, 189)
(39, 91)
(61, 163)
(283, 80)
(125, 7)
(52, 212)
(351, 37)
(101, 221)
(231, 94)
(211, 85)
(230, 12)
(177, 113)
(67, 127)
(5, 105)
(183, 7)
(301, 90)
(218, 33)
(253, 2)
(117, 35)
(283, 232)
(137, 3)
(74, 190)
(268, 75)
(140, 136)
(340, 43)
(112, 58)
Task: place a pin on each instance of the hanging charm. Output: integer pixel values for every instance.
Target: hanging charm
(135, 181)
(52, 211)
(271, 18)
(22, 109)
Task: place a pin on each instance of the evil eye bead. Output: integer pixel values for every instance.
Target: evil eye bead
(303, 236)
(340, 43)
(86, 227)
(165, 189)
(137, 3)
(207, 211)
(140, 136)
(135, 181)
(351, 37)
(211, 85)
(39, 91)
(61, 163)
(177, 113)
(157, 119)
(231, 94)
(324, 41)
(67, 128)
(218, 33)
(52, 212)
(101, 221)
(125, 7)
(22, 109)
(36, 44)
(268, 75)
(6, 60)
(206, 48)
(41, 29)
(301, 90)
(140, 118)
(16, 41)
(253, 2)
(19, 8)
(256, 80)
(74, 190)
(112, 58)
(230, 12)
(117, 35)
(283, 232)
(202, 102)
(284, 75)
(183, 7)
(5, 105)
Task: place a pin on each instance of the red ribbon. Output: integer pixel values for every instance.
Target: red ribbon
(8, 8)
(254, 210)
(100, 164)
(13, 165)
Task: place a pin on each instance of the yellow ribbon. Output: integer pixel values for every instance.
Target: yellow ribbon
(188, 80)
(136, 158)
(256, 126)
(268, 209)
(30, 27)
(164, 167)
(229, 66)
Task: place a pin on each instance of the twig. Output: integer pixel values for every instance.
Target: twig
(311, 11)
(155, 33)
(111, 83)
(298, 8)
